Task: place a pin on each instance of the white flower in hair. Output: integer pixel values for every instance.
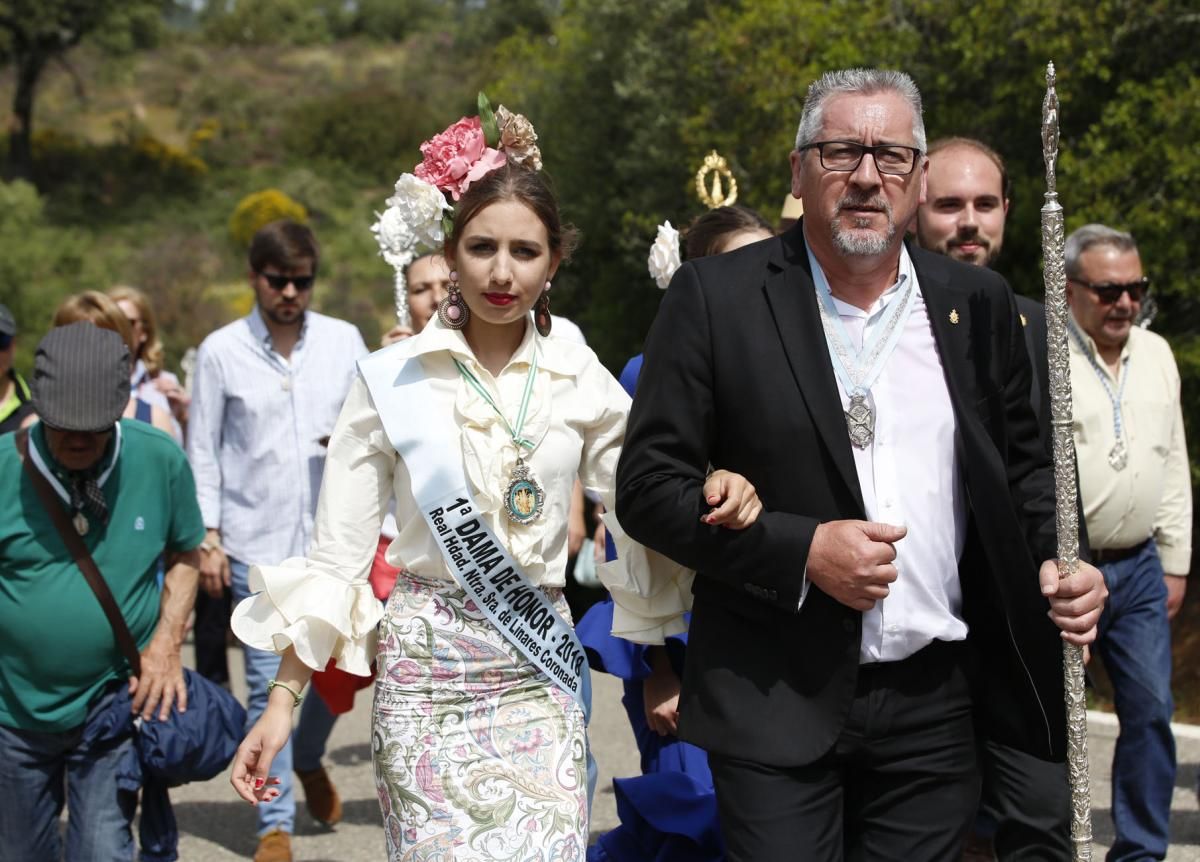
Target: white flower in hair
(664, 255)
(421, 205)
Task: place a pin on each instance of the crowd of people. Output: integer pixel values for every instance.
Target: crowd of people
(824, 517)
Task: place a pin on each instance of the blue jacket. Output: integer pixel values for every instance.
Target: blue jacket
(191, 746)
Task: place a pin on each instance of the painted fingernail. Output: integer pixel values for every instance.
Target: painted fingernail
(258, 784)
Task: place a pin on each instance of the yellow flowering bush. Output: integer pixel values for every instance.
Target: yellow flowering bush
(261, 208)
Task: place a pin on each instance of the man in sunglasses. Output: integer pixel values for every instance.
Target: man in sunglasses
(266, 393)
(16, 404)
(1135, 483)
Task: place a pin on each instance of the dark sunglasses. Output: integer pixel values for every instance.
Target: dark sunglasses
(5, 342)
(1110, 292)
(279, 282)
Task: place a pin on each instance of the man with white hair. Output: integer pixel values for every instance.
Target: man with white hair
(1137, 500)
(877, 397)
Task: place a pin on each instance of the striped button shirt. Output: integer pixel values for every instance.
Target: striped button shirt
(256, 427)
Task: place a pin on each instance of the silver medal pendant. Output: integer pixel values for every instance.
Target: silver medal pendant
(1118, 455)
(523, 498)
(80, 523)
(860, 422)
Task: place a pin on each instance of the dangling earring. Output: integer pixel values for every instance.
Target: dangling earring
(452, 311)
(541, 313)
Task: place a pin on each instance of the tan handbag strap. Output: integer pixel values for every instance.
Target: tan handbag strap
(83, 559)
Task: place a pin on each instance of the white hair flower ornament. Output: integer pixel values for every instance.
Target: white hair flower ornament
(664, 255)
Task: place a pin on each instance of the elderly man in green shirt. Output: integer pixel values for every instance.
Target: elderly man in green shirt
(129, 493)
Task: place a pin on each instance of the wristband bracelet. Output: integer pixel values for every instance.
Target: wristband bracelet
(276, 684)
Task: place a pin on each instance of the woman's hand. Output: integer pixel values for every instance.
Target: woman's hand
(252, 763)
(660, 693)
(399, 332)
(735, 502)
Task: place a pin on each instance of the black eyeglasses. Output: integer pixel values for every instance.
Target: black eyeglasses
(1109, 292)
(895, 159)
(279, 282)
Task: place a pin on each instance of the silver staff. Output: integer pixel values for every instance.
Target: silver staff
(1065, 480)
(400, 287)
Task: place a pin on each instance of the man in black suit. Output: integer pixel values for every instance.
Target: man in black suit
(878, 398)
(1025, 811)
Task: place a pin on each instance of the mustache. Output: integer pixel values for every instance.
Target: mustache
(852, 200)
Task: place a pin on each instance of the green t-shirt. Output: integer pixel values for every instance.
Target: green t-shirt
(57, 650)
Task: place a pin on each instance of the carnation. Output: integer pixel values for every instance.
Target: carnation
(456, 157)
(421, 206)
(664, 255)
(518, 139)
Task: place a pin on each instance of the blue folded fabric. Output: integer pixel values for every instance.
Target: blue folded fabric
(665, 817)
(195, 745)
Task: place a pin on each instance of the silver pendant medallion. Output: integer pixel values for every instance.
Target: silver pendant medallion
(860, 422)
(523, 498)
(80, 523)
(1118, 455)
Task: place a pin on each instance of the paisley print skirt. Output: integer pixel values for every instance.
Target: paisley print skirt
(477, 755)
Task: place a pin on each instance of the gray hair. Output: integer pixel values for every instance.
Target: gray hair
(1090, 235)
(864, 82)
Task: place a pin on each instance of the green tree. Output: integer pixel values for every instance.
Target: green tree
(37, 32)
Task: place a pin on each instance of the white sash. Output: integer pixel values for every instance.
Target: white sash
(425, 435)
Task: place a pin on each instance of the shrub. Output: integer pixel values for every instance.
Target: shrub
(260, 208)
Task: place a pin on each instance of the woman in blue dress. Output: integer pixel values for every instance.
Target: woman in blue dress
(669, 812)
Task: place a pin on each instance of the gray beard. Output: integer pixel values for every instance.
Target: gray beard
(858, 244)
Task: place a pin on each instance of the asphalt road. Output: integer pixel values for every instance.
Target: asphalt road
(216, 826)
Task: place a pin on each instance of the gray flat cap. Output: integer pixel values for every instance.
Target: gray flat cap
(81, 378)
(8, 323)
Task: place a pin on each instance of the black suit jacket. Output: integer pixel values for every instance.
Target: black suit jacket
(1033, 322)
(737, 375)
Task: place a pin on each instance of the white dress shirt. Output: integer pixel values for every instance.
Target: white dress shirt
(910, 477)
(255, 429)
(323, 604)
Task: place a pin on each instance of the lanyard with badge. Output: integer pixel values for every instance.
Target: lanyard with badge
(857, 370)
(524, 498)
(1118, 455)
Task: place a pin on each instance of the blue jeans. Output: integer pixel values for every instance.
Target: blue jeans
(33, 767)
(310, 735)
(1135, 645)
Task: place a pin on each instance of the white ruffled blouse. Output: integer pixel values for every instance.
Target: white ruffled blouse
(323, 605)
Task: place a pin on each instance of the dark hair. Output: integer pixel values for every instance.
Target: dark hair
(408, 266)
(979, 147)
(284, 244)
(512, 182)
(705, 234)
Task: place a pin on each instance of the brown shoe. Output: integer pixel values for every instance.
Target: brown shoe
(275, 846)
(320, 796)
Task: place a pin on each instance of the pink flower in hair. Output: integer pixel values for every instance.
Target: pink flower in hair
(457, 157)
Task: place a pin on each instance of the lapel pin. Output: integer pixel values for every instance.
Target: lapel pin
(1024, 320)
(954, 315)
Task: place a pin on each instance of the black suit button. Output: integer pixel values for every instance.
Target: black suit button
(772, 595)
(849, 625)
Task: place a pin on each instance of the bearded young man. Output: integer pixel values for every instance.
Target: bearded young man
(907, 502)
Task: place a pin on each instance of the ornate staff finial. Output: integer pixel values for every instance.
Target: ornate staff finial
(1050, 129)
